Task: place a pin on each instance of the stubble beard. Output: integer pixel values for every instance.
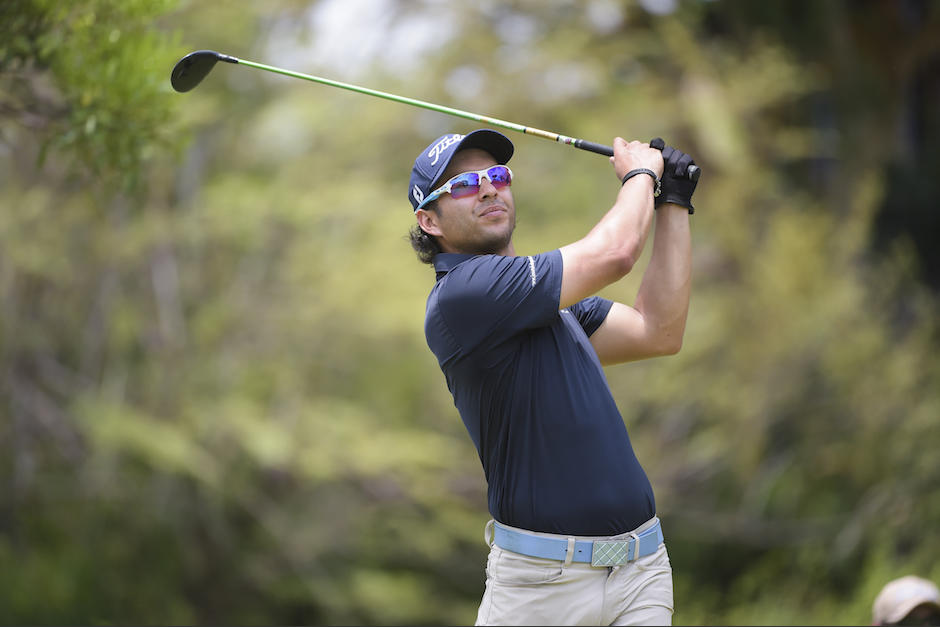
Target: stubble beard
(496, 243)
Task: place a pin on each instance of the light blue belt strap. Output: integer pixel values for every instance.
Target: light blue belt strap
(596, 552)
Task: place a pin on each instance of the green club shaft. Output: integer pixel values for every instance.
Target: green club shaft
(191, 69)
(528, 130)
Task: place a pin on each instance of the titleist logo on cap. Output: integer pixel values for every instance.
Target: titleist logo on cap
(435, 153)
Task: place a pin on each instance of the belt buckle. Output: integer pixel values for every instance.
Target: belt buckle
(610, 552)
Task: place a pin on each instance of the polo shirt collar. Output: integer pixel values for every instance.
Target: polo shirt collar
(445, 262)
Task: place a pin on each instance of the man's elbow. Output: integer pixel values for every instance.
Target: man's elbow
(624, 257)
(669, 345)
(673, 347)
(612, 265)
(623, 264)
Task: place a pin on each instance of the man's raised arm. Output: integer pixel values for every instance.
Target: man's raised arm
(607, 253)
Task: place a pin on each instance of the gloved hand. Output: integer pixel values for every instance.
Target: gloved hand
(677, 186)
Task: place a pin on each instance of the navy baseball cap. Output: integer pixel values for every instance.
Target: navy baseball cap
(434, 159)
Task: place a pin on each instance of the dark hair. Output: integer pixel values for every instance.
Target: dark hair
(425, 245)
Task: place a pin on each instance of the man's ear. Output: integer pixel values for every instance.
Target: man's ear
(427, 220)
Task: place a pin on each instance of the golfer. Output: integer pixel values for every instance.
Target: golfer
(521, 341)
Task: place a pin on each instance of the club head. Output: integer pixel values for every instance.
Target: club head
(191, 69)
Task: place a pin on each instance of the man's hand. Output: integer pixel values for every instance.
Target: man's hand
(635, 155)
(677, 187)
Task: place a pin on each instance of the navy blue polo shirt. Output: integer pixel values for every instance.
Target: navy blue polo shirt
(533, 395)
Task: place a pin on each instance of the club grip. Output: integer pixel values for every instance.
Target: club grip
(693, 171)
(600, 149)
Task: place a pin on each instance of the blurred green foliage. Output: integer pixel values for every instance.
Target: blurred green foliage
(217, 402)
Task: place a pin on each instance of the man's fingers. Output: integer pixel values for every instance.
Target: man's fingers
(682, 165)
(677, 161)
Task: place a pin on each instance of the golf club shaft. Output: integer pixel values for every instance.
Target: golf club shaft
(528, 130)
(199, 63)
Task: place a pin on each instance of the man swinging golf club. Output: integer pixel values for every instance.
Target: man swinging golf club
(522, 341)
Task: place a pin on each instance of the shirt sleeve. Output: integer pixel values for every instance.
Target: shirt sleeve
(591, 312)
(493, 297)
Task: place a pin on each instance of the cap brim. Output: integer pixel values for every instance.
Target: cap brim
(491, 141)
(908, 606)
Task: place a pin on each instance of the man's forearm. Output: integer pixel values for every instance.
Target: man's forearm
(610, 249)
(627, 225)
(663, 298)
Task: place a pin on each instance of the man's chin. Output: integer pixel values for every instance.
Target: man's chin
(495, 245)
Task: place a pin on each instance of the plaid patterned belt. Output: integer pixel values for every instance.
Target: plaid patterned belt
(597, 552)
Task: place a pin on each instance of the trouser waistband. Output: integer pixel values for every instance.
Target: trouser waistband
(597, 552)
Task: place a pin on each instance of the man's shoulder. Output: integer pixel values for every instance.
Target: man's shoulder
(470, 266)
(461, 273)
(500, 281)
(462, 279)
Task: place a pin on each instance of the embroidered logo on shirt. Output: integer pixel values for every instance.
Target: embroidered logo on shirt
(532, 270)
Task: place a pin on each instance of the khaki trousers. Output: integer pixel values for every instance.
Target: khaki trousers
(523, 590)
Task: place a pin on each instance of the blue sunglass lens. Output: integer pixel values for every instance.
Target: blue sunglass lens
(499, 176)
(465, 184)
(468, 183)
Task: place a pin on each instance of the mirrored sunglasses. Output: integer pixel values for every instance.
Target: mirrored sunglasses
(468, 183)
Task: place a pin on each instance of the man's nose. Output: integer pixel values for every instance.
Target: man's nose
(486, 188)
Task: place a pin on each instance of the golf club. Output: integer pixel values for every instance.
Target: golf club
(191, 69)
